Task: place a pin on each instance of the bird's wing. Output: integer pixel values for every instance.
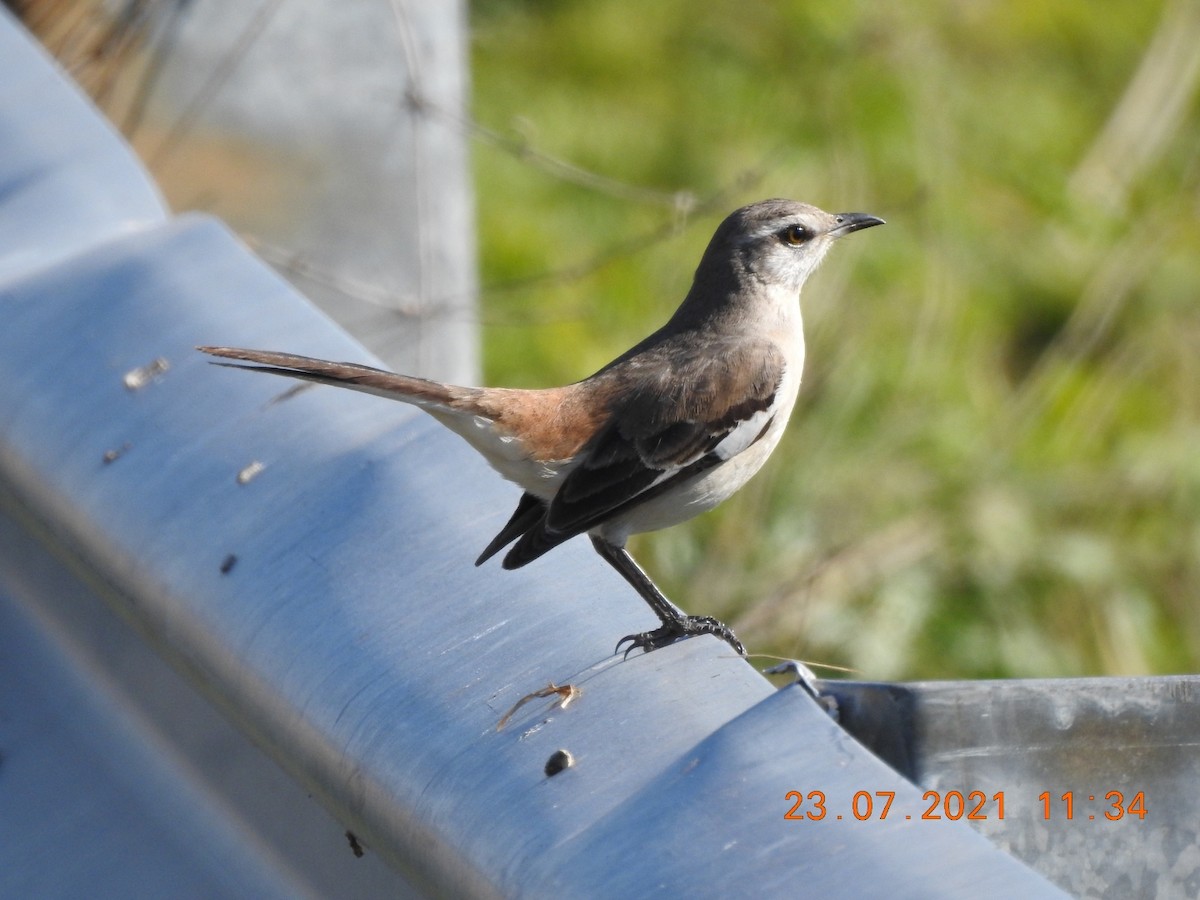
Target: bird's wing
(678, 415)
(529, 512)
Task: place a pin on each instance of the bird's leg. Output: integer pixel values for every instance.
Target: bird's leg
(619, 559)
(675, 622)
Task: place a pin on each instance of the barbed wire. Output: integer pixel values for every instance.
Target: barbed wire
(212, 85)
(154, 25)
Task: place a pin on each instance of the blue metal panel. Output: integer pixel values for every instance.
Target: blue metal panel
(66, 179)
(91, 804)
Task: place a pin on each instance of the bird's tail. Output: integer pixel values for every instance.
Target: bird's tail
(431, 395)
(519, 433)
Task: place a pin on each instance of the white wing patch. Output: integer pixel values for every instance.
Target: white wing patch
(744, 434)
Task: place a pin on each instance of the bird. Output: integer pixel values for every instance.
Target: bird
(667, 430)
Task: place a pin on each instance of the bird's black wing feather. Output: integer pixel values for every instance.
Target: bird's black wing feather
(680, 414)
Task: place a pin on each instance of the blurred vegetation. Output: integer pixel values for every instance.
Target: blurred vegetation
(993, 469)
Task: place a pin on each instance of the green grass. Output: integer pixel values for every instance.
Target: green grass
(994, 468)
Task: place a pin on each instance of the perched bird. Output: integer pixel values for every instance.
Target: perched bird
(665, 431)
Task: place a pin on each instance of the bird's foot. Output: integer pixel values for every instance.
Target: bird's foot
(670, 632)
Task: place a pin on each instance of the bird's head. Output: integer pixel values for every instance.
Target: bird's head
(773, 244)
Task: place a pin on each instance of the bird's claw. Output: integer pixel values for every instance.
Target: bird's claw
(648, 640)
(670, 632)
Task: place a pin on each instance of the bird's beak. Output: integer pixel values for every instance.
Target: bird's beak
(848, 222)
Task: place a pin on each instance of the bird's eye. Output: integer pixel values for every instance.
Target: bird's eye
(795, 235)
